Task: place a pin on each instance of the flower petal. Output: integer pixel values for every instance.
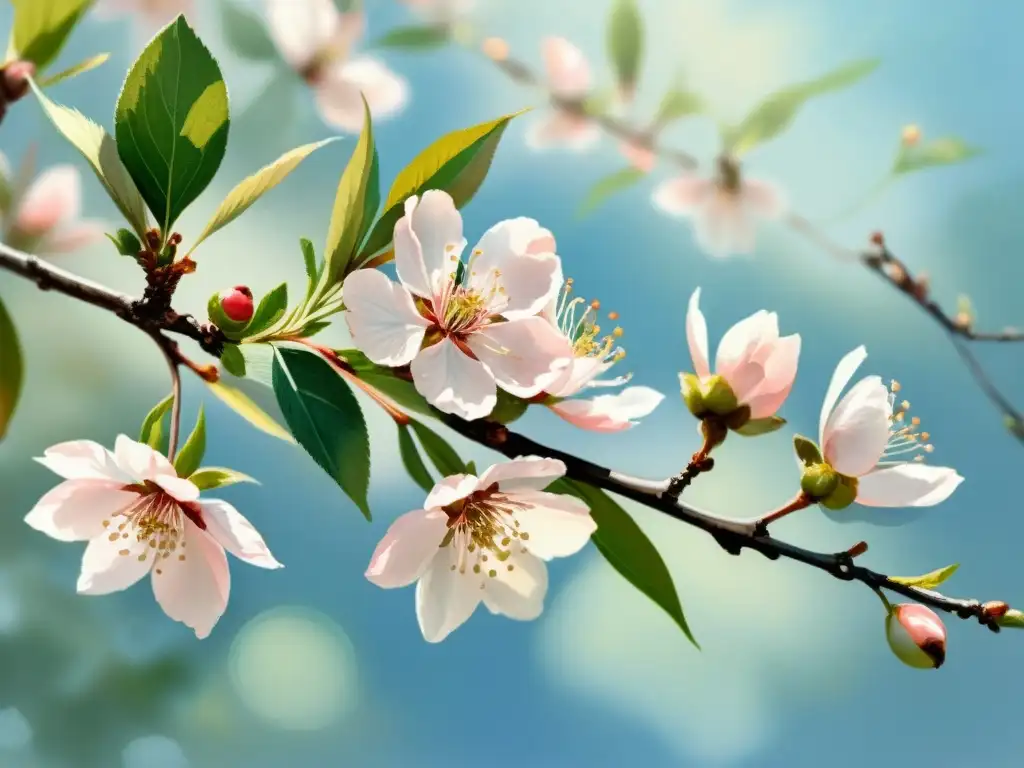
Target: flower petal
(724, 228)
(338, 101)
(610, 413)
(859, 428)
(907, 485)
(640, 157)
(301, 30)
(697, 336)
(840, 378)
(518, 587)
(558, 525)
(236, 534)
(530, 276)
(428, 243)
(579, 374)
(54, 198)
(526, 473)
(779, 375)
(683, 196)
(83, 460)
(385, 92)
(567, 69)
(449, 490)
(763, 199)
(382, 318)
(562, 129)
(446, 595)
(193, 584)
(524, 355)
(178, 488)
(453, 382)
(76, 510)
(140, 461)
(407, 548)
(112, 563)
(739, 343)
(71, 238)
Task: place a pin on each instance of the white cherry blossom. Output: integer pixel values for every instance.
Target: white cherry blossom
(569, 78)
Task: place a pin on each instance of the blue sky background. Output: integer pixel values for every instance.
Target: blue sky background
(314, 666)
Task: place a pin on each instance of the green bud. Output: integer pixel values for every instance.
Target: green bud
(819, 481)
(844, 494)
(807, 451)
(126, 242)
(689, 384)
(719, 397)
(232, 328)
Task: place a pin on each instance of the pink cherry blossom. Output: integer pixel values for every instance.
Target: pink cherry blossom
(153, 13)
(869, 437)
(757, 364)
(140, 518)
(317, 41)
(916, 635)
(593, 356)
(568, 77)
(724, 209)
(46, 218)
(640, 157)
(461, 340)
(482, 539)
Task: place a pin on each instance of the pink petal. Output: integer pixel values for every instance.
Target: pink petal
(639, 157)
(779, 375)
(525, 355)
(54, 198)
(840, 378)
(527, 473)
(558, 525)
(858, 429)
(567, 69)
(610, 413)
(683, 196)
(453, 382)
(577, 375)
(445, 596)
(301, 30)
(339, 102)
(518, 587)
(531, 279)
(76, 510)
(236, 534)
(907, 485)
(449, 490)
(407, 548)
(350, 28)
(382, 318)
(193, 584)
(178, 488)
(428, 243)
(563, 129)
(83, 460)
(71, 238)
(697, 336)
(385, 92)
(140, 461)
(763, 199)
(723, 227)
(112, 563)
(741, 341)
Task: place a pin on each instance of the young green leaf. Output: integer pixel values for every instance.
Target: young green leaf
(171, 121)
(441, 455)
(929, 580)
(807, 451)
(244, 406)
(608, 186)
(81, 67)
(625, 43)
(325, 418)
(99, 149)
(756, 427)
(417, 38)
(628, 549)
(471, 467)
(245, 33)
(254, 187)
(937, 152)
(11, 369)
(41, 27)
(126, 243)
(270, 309)
(233, 360)
(1012, 619)
(457, 163)
(153, 432)
(210, 478)
(675, 104)
(191, 454)
(412, 460)
(312, 270)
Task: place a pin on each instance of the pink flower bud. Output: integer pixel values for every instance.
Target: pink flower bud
(14, 79)
(237, 303)
(916, 635)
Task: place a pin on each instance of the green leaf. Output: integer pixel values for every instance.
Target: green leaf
(325, 418)
(126, 243)
(414, 38)
(937, 152)
(608, 186)
(402, 391)
(99, 149)
(254, 187)
(471, 467)
(41, 27)
(677, 103)
(928, 580)
(153, 432)
(773, 115)
(457, 163)
(270, 309)
(441, 455)
(245, 33)
(1012, 619)
(244, 406)
(11, 369)
(80, 68)
(807, 451)
(7, 188)
(628, 549)
(625, 43)
(191, 454)
(233, 360)
(508, 408)
(171, 121)
(210, 478)
(756, 427)
(312, 271)
(412, 460)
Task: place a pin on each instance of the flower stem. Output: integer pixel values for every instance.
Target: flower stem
(800, 501)
(343, 368)
(168, 348)
(700, 462)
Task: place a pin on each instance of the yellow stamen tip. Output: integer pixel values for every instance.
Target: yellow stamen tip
(613, 315)
(617, 333)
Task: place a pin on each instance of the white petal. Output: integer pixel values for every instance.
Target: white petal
(697, 336)
(740, 341)
(192, 584)
(907, 485)
(428, 243)
(112, 565)
(562, 129)
(385, 92)
(525, 356)
(446, 596)
(236, 534)
(858, 429)
(453, 382)
(339, 102)
(76, 509)
(407, 548)
(567, 69)
(382, 318)
(763, 199)
(518, 588)
(178, 488)
(527, 473)
(83, 460)
(610, 413)
(301, 29)
(840, 378)
(140, 461)
(531, 278)
(683, 196)
(723, 227)
(579, 374)
(71, 238)
(449, 490)
(558, 525)
(53, 199)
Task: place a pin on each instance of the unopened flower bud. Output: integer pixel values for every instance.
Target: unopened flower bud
(819, 481)
(231, 310)
(844, 494)
(911, 135)
(689, 385)
(916, 635)
(495, 48)
(718, 396)
(995, 609)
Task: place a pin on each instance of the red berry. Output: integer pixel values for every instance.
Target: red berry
(237, 303)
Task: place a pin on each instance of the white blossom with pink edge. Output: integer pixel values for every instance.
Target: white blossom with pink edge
(758, 365)
(593, 356)
(462, 340)
(568, 77)
(140, 518)
(317, 41)
(153, 13)
(46, 219)
(868, 436)
(482, 539)
(724, 209)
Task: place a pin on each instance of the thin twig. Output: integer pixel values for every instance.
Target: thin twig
(172, 364)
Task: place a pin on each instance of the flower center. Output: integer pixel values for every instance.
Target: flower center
(906, 440)
(484, 529)
(729, 179)
(156, 518)
(468, 300)
(582, 330)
